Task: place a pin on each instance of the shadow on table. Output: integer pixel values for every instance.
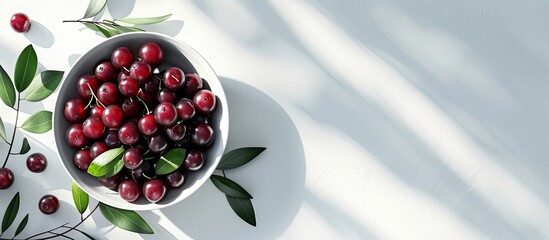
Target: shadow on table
(276, 178)
(40, 35)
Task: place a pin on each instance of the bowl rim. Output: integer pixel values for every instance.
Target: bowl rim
(224, 120)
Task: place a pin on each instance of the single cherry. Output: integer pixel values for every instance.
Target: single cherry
(122, 57)
(129, 190)
(108, 93)
(113, 116)
(154, 190)
(20, 22)
(165, 114)
(6, 178)
(112, 140)
(82, 159)
(132, 158)
(75, 136)
(203, 135)
(144, 168)
(93, 127)
(174, 179)
(165, 95)
(204, 100)
(86, 85)
(157, 143)
(131, 107)
(151, 53)
(111, 182)
(147, 125)
(194, 161)
(97, 148)
(193, 83)
(176, 132)
(37, 162)
(152, 85)
(106, 72)
(75, 110)
(128, 87)
(97, 111)
(48, 204)
(174, 79)
(185, 109)
(129, 134)
(140, 71)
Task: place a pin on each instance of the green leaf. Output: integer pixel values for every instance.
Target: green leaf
(2, 131)
(25, 68)
(107, 164)
(170, 161)
(7, 92)
(94, 8)
(11, 212)
(39, 122)
(125, 219)
(239, 157)
(45, 86)
(126, 29)
(25, 147)
(22, 225)
(229, 187)
(92, 26)
(81, 198)
(243, 208)
(104, 31)
(145, 21)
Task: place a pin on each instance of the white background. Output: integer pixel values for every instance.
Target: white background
(392, 119)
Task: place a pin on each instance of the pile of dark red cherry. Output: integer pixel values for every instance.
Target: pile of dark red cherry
(129, 102)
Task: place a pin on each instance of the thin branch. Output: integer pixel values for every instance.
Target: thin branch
(14, 130)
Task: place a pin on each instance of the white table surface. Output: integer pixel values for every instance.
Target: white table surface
(392, 119)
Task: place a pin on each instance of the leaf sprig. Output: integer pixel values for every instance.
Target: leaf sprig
(109, 28)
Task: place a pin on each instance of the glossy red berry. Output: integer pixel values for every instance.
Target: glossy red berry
(129, 190)
(93, 128)
(37, 162)
(97, 148)
(86, 85)
(82, 159)
(176, 132)
(154, 190)
(111, 182)
(174, 179)
(20, 22)
(75, 110)
(48, 204)
(106, 72)
(6, 178)
(204, 100)
(194, 161)
(174, 79)
(129, 134)
(152, 85)
(113, 116)
(140, 71)
(132, 108)
(108, 93)
(185, 109)
(165, 114)
(97, 111)
(75, 136)
(165, 95)
(122, 57)
(128, 87)
(151, 53)
(147, 125)
(133, 158)
(157, 143)
(203, 135)
(112, 140)
(193, 83)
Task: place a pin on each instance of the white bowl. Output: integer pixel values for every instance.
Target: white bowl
(176, 53)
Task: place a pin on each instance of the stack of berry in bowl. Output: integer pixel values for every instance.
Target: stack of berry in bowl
(141, 121)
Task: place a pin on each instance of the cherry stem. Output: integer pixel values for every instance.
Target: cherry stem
(14, 130)
(175, 78)
(223, 171)
(110, 23)
(94, 97)
(62, 234)
(144, 104)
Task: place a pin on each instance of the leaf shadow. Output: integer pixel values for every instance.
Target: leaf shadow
(170, 27)
(40, 35)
